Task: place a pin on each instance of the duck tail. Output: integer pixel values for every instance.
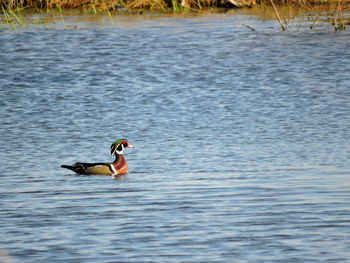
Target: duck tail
(77, 168)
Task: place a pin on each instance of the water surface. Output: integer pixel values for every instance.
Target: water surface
(241, 142)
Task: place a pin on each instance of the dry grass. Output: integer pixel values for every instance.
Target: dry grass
(147, 4)
(333, 14)
(51, 4)
(339, 6)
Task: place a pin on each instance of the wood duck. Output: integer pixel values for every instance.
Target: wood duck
(118, 167)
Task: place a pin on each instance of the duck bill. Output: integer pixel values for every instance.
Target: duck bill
(130, 145)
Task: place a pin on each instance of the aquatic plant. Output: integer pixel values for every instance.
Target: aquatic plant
(13, 18)
(327, 13)
(338, 18)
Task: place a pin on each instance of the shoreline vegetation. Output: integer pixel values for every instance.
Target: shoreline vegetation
(164, 5)
(334, 12)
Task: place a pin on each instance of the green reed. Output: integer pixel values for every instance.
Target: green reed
(13, 18)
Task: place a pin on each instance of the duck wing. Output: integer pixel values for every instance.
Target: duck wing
(84, 168)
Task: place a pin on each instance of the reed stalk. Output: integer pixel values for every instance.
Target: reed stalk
(283, 27)
(315, 21)
(241, 24)
(337, 20)
(110, 16)
(177, 7)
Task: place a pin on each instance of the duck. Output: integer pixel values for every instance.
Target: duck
(116, 168)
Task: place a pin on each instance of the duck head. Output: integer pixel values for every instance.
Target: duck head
(118, 146)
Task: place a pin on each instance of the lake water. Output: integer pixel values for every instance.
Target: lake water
(241, 139)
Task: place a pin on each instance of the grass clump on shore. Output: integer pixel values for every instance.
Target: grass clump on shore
(63, 4)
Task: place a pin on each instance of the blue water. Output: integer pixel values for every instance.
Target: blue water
(241, 139)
